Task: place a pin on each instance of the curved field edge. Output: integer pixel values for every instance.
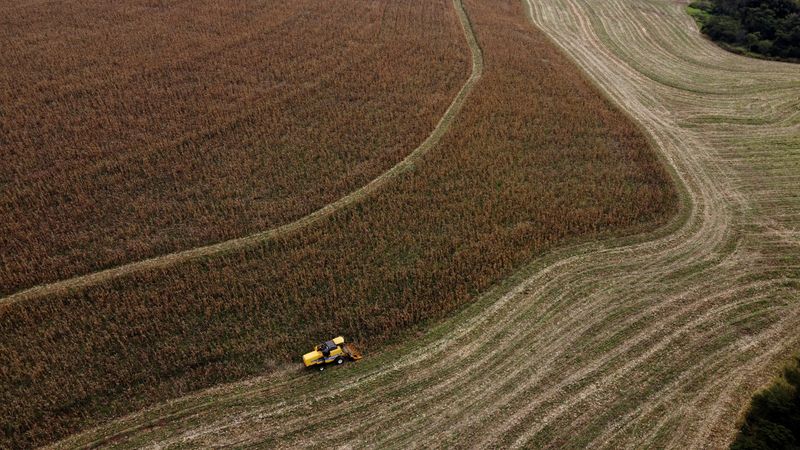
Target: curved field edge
(307, 122)
(232, 245)
(289, 380)
(655, 343)
(487, 200)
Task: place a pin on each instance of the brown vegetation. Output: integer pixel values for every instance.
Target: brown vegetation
(133, 129)
(537, 158)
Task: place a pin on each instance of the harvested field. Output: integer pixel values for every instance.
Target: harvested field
(138, 128)
(534, 159)
(655, 341)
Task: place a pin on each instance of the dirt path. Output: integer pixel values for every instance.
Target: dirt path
(257, 238)
(655, 341)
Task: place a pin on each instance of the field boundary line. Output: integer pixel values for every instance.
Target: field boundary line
(169, 259)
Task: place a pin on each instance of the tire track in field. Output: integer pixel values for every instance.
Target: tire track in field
(654, 341)
(251, 240)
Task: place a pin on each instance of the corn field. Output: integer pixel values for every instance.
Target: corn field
(138, 128)
(536, 159)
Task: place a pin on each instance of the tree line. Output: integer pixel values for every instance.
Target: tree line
(766, 27)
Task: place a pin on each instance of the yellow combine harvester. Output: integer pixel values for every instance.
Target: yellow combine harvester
(333, 351)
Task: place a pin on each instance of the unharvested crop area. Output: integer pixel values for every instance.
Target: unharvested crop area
(137, 128)
(657, 341)
(534, 159)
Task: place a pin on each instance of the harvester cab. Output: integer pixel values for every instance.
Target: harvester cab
(333, 351)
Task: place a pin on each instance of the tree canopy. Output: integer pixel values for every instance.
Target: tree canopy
(766, 27)
(773, 421)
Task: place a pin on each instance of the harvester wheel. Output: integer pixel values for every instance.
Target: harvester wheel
(339, 360)
(321, 368)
